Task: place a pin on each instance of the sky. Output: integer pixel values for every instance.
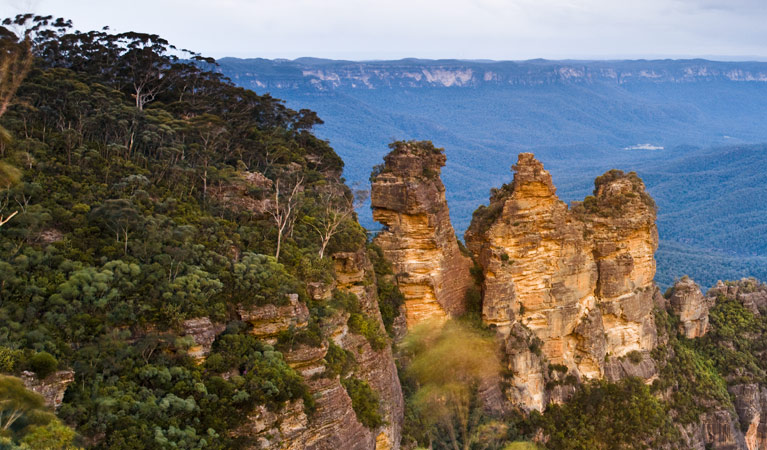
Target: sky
(469, 29)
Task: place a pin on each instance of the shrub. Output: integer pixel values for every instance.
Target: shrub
(9, 359)
(43, 364)
(364, 402)
(634, 356)
(338, 361)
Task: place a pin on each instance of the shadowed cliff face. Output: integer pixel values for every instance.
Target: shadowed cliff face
(408, 197)
(573, 286)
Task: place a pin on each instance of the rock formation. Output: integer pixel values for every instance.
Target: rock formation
(570, 286)
(354, 273)
(717, 429)
(203, 332)
(688, 302)
(246, 192)
(334, 424)
(52, 387)
(269, 320)
(408, 197)
(751, 406)
(749, 292)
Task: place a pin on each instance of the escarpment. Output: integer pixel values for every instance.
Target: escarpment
(571, 286)
(408, 198)
(334, 423)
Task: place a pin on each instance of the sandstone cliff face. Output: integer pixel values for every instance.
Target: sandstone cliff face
(716, 429)
(749, 292)
(269, 320)
(580, 280)
(52, 388)
(354, 273)
(751, 406)
(409, 199)
(334, 424)
(688, 302)
(203, 332)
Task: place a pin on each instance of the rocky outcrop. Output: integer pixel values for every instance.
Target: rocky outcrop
(716, 429)
(248, 191)
(580, 279)
(334, 424)
(52, 387)
(354, 273)
(751, 405)
(633, 365)
(269, 320)
(688, 302)
(408, 198)
(203, 332)
(749, 292)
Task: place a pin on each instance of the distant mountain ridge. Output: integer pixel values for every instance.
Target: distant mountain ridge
(683, 125)
(324, 74)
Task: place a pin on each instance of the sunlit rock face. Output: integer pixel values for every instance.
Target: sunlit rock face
(688, 302)
(408, 197)
(579, 280)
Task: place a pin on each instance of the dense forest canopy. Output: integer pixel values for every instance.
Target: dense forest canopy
(146, 191)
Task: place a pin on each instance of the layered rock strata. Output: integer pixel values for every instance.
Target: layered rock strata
(408, 198)
(269, 320)
(688, 302)
(575, 284)
(334, 424)
(355, 274)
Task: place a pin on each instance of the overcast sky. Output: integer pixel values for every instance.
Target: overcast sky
(468, 29)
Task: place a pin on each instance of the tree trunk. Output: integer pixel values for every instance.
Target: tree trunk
(279, 241)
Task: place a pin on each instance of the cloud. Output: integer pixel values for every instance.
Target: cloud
(498, 29)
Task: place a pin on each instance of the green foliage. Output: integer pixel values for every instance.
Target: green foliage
(358, 321)
(692, 380)
(126, 165)
(521, 446)
(338, 361)
(43, 364)
(263, 375)
(52, 436)
(258, 280)
(635, 356)
(446, 364)
(364, 401)
(736, 341)
(25, 421)
(604, 415)
(9, 359)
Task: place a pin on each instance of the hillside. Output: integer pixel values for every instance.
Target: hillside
(578, 117)
(175, 253)
(182, 267)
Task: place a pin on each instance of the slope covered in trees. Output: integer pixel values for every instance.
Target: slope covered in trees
(146, 192)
